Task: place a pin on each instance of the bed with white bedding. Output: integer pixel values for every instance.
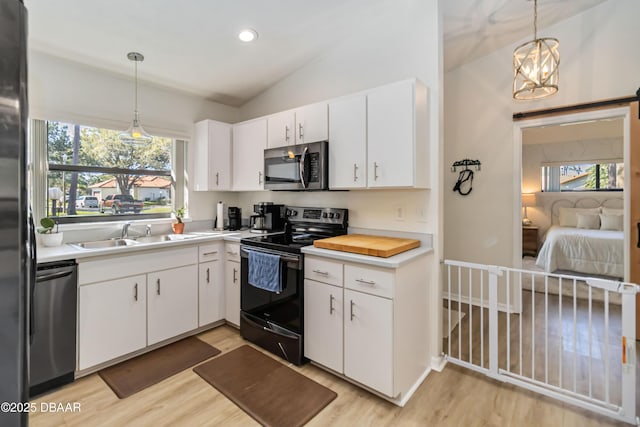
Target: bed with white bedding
(597, 252)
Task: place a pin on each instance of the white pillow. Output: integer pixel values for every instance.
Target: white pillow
(589, 221)
(611, 211)
(611, 222)
(568, 216)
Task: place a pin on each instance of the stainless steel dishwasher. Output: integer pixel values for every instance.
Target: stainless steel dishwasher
(52, 360)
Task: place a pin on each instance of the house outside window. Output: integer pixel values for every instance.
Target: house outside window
(93, 176)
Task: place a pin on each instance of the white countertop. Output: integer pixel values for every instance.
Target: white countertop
(67, 251)
(391, 262)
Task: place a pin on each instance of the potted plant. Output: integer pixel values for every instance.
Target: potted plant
(47, 236)
(178, 227)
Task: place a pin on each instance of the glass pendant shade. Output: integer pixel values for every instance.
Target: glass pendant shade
(135, 135)
(535, 65)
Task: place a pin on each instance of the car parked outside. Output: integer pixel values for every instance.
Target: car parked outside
(87, 202)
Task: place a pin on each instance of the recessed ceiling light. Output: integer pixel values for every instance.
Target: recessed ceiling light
(248, 35)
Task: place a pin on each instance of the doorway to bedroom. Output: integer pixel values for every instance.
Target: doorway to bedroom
(572, 195)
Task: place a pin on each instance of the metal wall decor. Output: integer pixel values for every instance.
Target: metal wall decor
(465, 178)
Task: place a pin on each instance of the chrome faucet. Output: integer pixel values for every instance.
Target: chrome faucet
(147, 231)
(125, 230)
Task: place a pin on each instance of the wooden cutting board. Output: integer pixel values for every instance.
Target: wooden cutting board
(364, 244)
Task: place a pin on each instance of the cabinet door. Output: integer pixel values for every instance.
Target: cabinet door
(368, 340)
(280, 129)
(211, 154)
(390, 133)
(348, 143)
(323, 310)
(312, 123)
(112, 319)
(210, 292)
(172, 303)
(232, 292)
(249, 142)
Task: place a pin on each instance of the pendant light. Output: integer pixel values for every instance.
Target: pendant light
(535, 65)
(135, 135)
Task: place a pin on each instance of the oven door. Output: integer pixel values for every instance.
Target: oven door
(283, 309)
(274, 321)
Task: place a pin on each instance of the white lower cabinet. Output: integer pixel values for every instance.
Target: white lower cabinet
(368, 323)
(112, 319)
(210, 283)
(232, 283)
(210, 292)
(172, 303)
(368, 340)
(323, 311)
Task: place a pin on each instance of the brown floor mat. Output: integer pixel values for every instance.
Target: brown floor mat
(272, 393)
(136, 374)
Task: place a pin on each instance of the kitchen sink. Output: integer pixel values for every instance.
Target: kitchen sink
(163, 238)
(102, 244)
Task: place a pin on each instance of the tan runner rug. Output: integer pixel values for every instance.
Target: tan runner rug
(272, 393)
(136, 374)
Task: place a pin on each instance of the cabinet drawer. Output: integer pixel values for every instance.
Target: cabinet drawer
(371, 280)
(210, 252)
(323, 270)
(232, 251)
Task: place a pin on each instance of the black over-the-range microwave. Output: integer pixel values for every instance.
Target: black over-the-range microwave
(297, 167)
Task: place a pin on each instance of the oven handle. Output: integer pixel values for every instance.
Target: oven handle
(286, 257)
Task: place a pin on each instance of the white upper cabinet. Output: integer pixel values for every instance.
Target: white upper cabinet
(312, 123)
(211, 154)
(281, 129)
(249, 142)
(397, 149)
(302, 125)
(348, 142)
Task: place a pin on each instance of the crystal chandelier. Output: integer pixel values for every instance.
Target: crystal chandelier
(535, 65)
(135, 134)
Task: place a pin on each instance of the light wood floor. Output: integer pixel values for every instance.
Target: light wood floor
(454, 397)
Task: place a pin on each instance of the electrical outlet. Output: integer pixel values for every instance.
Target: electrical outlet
(421, 213)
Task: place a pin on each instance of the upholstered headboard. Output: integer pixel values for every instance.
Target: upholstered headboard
(617, 203)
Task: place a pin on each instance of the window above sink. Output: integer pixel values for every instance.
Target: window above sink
(92, 176)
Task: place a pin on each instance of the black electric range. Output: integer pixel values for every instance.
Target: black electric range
(274, 320)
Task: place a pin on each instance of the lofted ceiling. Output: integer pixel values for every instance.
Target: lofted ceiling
(592, 130)
(193, 46)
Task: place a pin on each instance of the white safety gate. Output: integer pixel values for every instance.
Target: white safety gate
(567, 337)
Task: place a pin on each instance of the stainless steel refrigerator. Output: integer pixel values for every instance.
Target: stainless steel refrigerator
(17, 253)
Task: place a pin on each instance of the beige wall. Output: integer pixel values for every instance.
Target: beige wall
(596, 63)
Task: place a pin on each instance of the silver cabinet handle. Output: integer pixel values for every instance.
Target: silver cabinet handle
(235, 272)
(300, 131)
(217, 178)
(158, 286)
(324, 273)
(259, 177)
(366, 282)
(355, 172)
(210, 253)
(331, 309)
(135, 292)
(208, 276)
(351, 311)
(286, 134)
(375, 171)
(232, 253)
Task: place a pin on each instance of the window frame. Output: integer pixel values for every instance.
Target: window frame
(40, 167)
(597, 164)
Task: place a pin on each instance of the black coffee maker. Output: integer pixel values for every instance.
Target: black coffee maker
(235, 218)
(269, 217)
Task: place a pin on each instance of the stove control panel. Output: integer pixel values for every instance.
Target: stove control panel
(319, 215)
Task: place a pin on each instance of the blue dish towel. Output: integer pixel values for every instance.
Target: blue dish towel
(264, 271)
